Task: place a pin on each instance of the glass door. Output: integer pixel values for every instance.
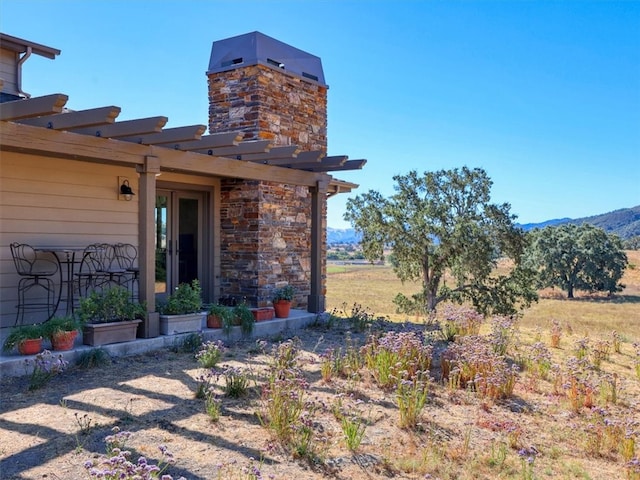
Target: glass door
(178, 239)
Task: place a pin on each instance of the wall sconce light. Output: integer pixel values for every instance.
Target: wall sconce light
(125, 192)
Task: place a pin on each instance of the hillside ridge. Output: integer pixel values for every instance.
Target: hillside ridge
(624, 222)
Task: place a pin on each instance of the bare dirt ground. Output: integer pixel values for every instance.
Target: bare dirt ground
(51, 432)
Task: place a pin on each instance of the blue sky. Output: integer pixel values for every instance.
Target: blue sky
(544, 95)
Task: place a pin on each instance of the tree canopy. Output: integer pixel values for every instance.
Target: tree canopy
(577, 257)
(444, 233)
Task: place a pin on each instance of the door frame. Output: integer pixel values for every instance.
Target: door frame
(209, 231)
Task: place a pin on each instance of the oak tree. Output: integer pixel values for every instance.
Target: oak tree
(577, 257)
(444, 233)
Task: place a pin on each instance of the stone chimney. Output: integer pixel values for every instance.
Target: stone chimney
(267, 90)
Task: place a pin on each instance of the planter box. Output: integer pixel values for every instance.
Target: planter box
(263, 313)
(105, 333)
(172, 324)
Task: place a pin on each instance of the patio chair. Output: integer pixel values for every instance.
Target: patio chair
(127, 255)
(36, 289)
(99, 269)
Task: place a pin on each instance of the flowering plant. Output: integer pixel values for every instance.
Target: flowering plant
(116, 465)
(45, 367)
(210, 354)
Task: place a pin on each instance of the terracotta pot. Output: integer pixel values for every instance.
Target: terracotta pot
(30, 346)
(63, 340)
(214, 321)
(282, 308)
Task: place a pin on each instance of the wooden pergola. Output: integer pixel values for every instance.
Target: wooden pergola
(49, 112)
(42, 126)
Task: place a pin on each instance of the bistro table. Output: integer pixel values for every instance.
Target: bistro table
(67, 257)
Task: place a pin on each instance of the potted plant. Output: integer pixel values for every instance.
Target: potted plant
(218, 316)
(182, 310)
(244, 317)
(26, 338)
(62, 331)
(281, 300)
(109, 316)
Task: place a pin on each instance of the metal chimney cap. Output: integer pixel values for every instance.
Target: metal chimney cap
(255, 48)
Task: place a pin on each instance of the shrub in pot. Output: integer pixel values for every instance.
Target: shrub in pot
(244, 317)
(187, 298)
(182, 311)
(219, 315)
(282, 299)
(26, 338)
(61, 331)
(110, 316)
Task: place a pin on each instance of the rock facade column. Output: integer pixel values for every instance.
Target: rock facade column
(266, 227)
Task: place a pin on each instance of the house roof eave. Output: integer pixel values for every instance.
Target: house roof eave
(19, 45)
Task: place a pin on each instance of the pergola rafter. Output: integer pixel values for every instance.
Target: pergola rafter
(33, 107)
(206, 142)
(169, 135)
(244, 148)
(288, 152)
(126, 128)
(75, 119)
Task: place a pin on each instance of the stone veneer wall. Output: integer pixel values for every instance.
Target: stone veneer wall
(264, 240)
(266, 104)
(266, 227)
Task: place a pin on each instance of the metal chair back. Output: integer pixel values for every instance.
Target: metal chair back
(36, 289)
(29, 263)
(126, 255)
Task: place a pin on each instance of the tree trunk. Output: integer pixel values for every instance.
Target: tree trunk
(432, 301)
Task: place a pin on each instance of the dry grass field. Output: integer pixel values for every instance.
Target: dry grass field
(555, 395)
(571, 441)
(374, 287)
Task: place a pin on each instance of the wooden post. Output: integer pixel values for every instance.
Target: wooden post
(150, 327)
(316, 299)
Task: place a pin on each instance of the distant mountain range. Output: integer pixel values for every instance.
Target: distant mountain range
(624, 222)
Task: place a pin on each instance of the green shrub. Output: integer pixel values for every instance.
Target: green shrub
(187, 298)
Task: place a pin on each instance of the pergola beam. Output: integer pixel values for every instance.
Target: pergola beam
(33, 107)
(127, 128)
(169, 135)
(75, 119)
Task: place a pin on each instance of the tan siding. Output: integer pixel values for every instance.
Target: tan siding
(8, 71)
(48, 201)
